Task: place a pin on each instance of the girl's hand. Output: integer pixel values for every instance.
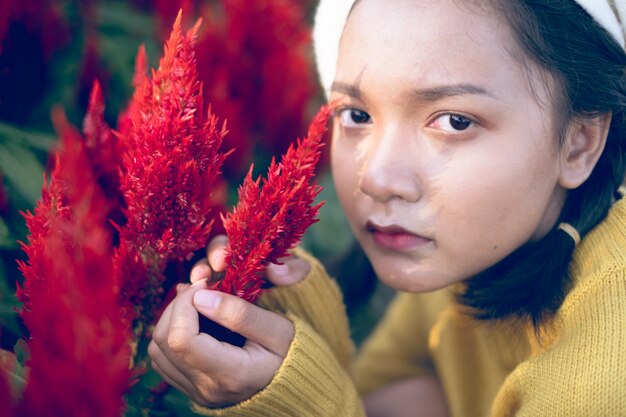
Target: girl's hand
(290, 272)
(210, 372)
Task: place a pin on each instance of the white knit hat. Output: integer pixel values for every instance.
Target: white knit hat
(611, 14)
(331, 17)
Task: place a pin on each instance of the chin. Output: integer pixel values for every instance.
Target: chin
(414, 283)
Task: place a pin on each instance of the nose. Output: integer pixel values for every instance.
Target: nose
(390, 169)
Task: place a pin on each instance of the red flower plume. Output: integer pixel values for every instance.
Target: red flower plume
(171, 162)
(254, 61)
(124, 123)
(51, 207)
(104, 150)
(79, 346)
(267, 222)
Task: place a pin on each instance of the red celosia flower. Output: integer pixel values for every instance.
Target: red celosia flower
(100, 161)
(40, 17)
(171, 162)
(52, 206)
(91, 65)
(167, 10)
(124, 122)
(267, 222)
(79, 346)
(105, 153)
(254, 61)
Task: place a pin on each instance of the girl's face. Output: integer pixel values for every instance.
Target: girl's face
(444, 157)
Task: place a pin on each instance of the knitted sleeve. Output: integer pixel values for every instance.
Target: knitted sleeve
(317, 300)
(583, 372)
(398, 347)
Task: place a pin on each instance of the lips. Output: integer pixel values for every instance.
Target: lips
(395, 238)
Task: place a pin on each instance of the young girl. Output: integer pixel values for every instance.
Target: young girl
(478, 150)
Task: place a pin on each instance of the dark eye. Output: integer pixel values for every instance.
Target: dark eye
(353, 118)
(452, 123)
(459, 122)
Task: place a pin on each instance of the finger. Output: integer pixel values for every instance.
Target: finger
(168, 371)
(187, 348)
(272, 331)
(168, 379)
(216, 251)
(161, 330)
(184, 323)
(200, 271)
(291, 271)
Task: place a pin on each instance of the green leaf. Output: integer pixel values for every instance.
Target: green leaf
(8, 304)
(8, 316)
(22, 170)
(178, 403)
(6, 240)
(121, 29)
(22, 352)
(120, 17)
(14, 371)
(132, 411)
(26, 138)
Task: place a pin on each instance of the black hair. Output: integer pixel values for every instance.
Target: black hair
(588, 69)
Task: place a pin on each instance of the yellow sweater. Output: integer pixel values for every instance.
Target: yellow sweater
(579, 370)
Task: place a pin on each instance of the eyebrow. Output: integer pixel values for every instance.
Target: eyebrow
(351, 90)
(426, 94)
(443, 91)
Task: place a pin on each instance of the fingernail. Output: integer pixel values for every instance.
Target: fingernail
(200, 283)
(207, 300)
(215, 259)
(201, 271)
(280, 270)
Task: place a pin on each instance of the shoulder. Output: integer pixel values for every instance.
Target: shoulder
(596, 303)
(603, 250)
(579, 368)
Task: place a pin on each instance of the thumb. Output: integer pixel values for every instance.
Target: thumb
(291, 271)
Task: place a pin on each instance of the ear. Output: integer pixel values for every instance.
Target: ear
(582, 148)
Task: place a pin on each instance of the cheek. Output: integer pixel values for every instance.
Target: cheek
(501, 201)
(345, 174)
